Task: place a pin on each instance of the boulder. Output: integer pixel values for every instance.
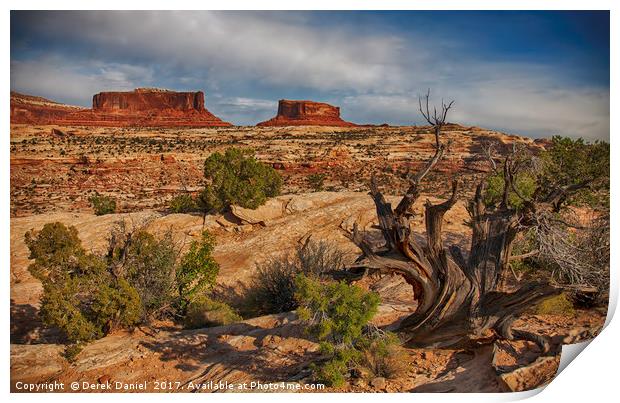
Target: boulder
(378, 383)
(271, 210)
(298, 204)
(539, 373)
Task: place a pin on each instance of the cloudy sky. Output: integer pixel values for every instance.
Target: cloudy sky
(532, 73)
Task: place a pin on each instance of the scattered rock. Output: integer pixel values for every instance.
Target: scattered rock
(378, 383)
(244, 228)
(226, 221)
(359, 382)
(271, 341)
(532, 376)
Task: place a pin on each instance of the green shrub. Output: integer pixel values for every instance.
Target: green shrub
(197, 270)
(116, 306)
(564, 163)
(205, 312)
(524, 243)
(140, 278)
(102, 204)
(343, 309)
(558, 305)
(316, 181)
(55, 249)
(148, 264)
(333, 372)
(235, 177)
(568, 161)
(62, 307)
(80, 295)
(272, 287)
(336, 314)
(183, 203)
(525, 183)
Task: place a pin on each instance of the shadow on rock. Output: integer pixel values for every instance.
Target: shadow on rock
(266, 349)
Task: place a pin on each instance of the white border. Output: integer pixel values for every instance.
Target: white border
(593, 375)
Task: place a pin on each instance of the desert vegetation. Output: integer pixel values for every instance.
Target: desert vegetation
(102, 204)
(534, 214)
(338, 316)
(273, 286)
(462, 295)
(140, 279)
(182, 203)
(235, 177)
(144, 168)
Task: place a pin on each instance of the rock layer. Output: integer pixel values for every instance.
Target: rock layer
(141, 107)
(145, 168)
(143, 99)
(36, 110)
(306, 113)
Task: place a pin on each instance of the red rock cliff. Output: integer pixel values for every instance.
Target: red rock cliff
(306, 113)
(141, 107)
(141, 100)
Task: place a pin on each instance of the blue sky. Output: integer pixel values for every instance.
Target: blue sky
(534, 73)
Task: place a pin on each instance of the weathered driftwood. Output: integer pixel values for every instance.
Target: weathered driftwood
(462, 297)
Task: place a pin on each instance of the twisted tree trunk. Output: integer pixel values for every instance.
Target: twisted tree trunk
(461, 297)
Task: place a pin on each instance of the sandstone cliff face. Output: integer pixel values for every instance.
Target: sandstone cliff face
(141, 107)
(306, 113)
(142, 99)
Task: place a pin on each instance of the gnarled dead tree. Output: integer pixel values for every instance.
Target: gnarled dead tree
(461, 297)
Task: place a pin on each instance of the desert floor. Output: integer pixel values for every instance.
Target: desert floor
(52, 177)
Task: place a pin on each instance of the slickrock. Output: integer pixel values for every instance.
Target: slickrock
(306, 113)
(272, 348)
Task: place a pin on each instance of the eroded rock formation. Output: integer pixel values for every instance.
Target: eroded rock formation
(36, 110)
(145, 99)
(141, 107)
(306, 113)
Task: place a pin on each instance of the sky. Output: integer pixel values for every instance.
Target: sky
(535, 73)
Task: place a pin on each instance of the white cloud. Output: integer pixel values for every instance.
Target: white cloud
(251, 104)
(525, 110)
(239, 109)
(373, 75)
(54, 78)
(256, 46)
